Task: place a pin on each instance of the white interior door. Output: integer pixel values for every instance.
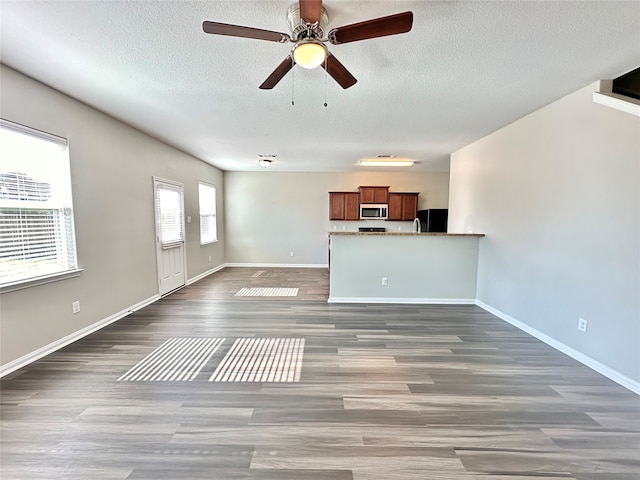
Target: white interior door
(169, 202)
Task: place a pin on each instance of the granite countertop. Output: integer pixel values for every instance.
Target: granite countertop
(411, 234)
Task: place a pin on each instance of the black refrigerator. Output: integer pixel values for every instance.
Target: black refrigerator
(433, 220)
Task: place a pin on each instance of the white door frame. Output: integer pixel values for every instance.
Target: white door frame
(176, 252)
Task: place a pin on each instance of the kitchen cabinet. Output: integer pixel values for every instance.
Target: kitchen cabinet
(374, 194)
(409, 206)
(403, 206)
(395, 206)
(344, 206)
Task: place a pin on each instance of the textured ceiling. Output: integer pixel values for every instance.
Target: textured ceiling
(466, 69)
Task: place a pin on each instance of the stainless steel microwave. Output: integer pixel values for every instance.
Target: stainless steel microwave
(370, 211)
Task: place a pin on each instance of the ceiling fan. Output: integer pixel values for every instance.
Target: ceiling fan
(307, 20)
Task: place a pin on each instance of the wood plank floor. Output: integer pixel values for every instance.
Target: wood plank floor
(385, 392)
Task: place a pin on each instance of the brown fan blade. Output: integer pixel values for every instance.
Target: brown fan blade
(338, 71)
(310, 10)
(217, 28)
(277, 75)
(378, 27)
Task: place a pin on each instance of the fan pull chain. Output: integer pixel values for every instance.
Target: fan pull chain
(326, 74)
(292, 81)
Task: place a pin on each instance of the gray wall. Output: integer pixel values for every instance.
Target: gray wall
(112, 166)
(270, 213)
(419, 268)
(558, 195)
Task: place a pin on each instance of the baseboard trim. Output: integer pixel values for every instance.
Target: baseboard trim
(278, 265)
(206, 274)
(608, 372)
(63, 342)
(406, 301)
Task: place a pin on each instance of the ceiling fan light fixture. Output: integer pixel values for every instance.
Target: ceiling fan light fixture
(309, 53)
(386, 162)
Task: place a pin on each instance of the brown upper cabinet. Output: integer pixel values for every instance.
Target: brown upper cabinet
(403, 206)
(344, 206)
(374, 194)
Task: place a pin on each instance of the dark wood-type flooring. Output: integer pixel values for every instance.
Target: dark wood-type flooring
(386, 392)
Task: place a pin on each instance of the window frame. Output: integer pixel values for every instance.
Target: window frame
(214, 214)
(68, 234)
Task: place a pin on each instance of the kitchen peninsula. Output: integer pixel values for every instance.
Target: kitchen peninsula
(403, 267)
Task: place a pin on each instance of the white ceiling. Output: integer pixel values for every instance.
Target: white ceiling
(466, 69)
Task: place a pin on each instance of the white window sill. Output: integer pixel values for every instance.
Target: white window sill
(208, 243)
(604, 96)
(33, 282)
(618, 102)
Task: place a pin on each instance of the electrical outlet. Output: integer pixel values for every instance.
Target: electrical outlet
(291, 254)
(209, 257)
(75, 306)
(385, 281)
(188, 218)
(582, 325)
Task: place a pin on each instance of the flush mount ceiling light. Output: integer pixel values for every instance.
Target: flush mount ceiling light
(386, 162)
(265, 161)
(309, 53)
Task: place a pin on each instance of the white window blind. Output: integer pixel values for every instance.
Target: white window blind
(208, 227)
(36, 212)
(169, 208)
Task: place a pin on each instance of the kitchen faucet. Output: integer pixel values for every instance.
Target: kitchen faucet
(416, 226)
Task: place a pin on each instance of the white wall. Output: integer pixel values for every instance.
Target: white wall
(558, 195)
(112, 166)
(270, 214)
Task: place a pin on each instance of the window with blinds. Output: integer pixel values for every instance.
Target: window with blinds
(169, 207)
(208, 227)
(36, 212)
